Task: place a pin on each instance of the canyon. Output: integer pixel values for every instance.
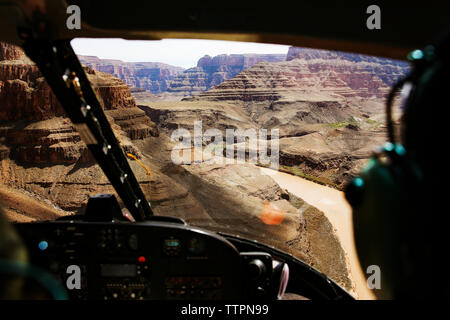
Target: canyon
(154, 81)
(44, 160)
(154, 77)
(211, 71)
(328, 107)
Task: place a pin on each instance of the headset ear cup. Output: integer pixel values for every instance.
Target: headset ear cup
(384, 215)
(354, 192)
(394, 223)
(375, 223)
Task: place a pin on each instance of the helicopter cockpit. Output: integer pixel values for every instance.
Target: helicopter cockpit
(106, 254)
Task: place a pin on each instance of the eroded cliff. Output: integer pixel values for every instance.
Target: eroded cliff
(328, 107)
(211, 71)
(154, 77)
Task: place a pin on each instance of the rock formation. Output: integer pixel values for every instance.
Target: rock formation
(327, 72)
(317, 99)
(33, 127)
(154, 77)
(365, 75)
(10, 52)
(43, 157)
(211, 71)
(165, 82)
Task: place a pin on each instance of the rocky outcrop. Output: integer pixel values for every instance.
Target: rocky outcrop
(27, 99)
(48, 141)
(307, 70)
(191, 82)
(33, 128)
(40, 151)
(134, 122)
(165, 82)
(235, 62)
(22, 206)
(224, 186)
(120, 106)
(154, 77)
(10, 52)
(212, 71)
(24, 94)
(365, 75)
(318, 100)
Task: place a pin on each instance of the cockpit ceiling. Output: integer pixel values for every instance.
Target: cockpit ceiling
(333, 25)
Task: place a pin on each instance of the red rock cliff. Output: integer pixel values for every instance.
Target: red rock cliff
(33, 127)
(152, 76)
(10, 52)
(212, 71)
(348, 75)
(356, 70)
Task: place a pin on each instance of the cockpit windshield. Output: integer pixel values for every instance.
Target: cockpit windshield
(246, 139)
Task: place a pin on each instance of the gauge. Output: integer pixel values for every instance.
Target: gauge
(196, 246)
(172, 246)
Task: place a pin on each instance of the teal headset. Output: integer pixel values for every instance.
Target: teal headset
(390, 197)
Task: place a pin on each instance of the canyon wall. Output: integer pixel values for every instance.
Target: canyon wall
(211, 71)
(41, 154)
(174, 83)
(33, 126)
(154, 77)
(319, 71)
(362, 73)
(328, 107)
(9, 52)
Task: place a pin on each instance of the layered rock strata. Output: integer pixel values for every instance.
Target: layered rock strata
(211, 71)
(165, 82)
(327, 106)
(33, 128)
(154, 77)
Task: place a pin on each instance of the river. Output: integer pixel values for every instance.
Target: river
(333, 204)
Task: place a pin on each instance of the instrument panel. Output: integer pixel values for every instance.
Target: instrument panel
(138, 261)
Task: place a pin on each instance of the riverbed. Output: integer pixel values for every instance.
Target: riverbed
(333, 204)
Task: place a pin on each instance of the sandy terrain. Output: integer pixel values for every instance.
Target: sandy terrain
(19, 206)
